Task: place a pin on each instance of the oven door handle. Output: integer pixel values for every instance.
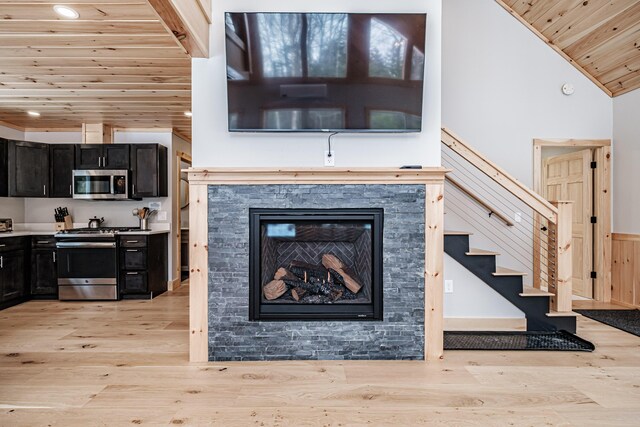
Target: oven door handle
(85, 244)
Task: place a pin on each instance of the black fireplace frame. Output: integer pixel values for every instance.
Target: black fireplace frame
(314, 312)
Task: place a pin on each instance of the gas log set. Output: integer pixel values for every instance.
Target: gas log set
(306, 283)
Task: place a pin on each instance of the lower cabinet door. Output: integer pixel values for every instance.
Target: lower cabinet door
(133, 259)
(12, 275)
(133, 282)
(44, 277)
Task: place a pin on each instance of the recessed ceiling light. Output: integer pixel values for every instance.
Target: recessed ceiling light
(66, 11)
(33, 113)
(188, 113)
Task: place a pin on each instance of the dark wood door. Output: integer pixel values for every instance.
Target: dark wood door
(12, 275)
(44, 277)
(144, 170)
(89, 156)
(62, 159)
(115, 156)
(4, 168)
(28, 169)
(133, 259)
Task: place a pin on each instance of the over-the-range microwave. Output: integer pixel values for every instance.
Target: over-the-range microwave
(101, 184)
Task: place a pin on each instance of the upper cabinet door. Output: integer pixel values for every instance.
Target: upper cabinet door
(28, 169)
(115, 156)
(62, 158)
(4, 168)
(148, 170)
(89, 156)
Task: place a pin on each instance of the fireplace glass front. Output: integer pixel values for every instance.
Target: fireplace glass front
(315, 264)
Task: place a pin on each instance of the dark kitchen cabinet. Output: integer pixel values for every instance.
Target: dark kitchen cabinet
(28, 169)
(62, 160)
(143, 265)
(44, 274)
(148, 170)
(102, 156)
(4, 168)
(13, 273)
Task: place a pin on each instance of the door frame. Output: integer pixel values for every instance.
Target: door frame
(180, 157)
(602, 204)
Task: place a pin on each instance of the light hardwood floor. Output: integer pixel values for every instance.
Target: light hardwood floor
(125, 363)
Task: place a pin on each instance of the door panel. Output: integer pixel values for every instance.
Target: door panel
(569, 177)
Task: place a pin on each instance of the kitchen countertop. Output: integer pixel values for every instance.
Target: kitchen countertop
(22, 233)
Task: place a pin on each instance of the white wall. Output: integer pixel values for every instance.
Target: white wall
(213, 145)
(501, 87)
(500, 90)
(487, 303)
(11, 207)
(626, 163)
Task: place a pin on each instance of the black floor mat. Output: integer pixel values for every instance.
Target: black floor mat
(546, 341)
(626, 320)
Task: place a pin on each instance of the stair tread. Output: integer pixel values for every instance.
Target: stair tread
(456, 233)
(503, 271)
(563, 314)
(534, 292)
(476, 252)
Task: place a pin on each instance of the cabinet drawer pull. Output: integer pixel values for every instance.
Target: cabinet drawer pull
(1, 262)
(43, 242)
(133, 250)
(132, 241)
(132, 274)
(2, 246)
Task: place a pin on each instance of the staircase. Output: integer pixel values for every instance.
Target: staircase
(508, 283)
(538, 240)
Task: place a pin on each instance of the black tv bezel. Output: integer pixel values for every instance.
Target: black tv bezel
(340, 130)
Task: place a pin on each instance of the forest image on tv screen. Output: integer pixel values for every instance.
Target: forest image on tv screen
(325, 71)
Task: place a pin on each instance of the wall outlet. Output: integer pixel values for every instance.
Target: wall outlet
(518, 217)
(162, 215)
(155, 205)
(448, 286)
(329, 158)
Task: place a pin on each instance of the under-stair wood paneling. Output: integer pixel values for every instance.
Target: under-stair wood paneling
(625, 281)
(600, 38)
(116, 64)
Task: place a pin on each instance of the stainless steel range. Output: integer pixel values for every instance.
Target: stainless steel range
(88, 263)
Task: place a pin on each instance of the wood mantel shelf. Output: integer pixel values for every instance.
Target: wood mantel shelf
(430, 175)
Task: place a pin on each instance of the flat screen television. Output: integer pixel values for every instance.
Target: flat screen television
(325, 72)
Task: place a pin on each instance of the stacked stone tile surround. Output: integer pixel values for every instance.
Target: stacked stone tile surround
(401, 333)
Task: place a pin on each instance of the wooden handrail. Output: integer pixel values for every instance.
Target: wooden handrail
(478, 200)
(500, 176)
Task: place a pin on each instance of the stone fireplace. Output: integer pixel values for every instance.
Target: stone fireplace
(315, 264)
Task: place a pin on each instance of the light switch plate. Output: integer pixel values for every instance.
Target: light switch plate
(448, 286)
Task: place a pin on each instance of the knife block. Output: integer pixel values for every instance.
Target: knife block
(66, 225)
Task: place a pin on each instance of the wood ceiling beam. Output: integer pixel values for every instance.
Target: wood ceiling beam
(188, 22)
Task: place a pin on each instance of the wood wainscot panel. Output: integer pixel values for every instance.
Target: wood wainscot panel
(625, 283)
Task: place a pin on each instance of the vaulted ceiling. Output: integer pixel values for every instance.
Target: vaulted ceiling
(118, 64)
(599, 37)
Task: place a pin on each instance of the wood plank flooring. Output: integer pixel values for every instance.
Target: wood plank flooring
(126, 363)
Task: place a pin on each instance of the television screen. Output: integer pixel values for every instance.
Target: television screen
(309, 72)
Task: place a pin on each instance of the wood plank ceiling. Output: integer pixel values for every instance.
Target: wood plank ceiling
(116, 64)
(600, 37)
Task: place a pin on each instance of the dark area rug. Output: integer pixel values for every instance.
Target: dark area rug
(625, 320)
(529, 341)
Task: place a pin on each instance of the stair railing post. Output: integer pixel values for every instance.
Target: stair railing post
(562, 248)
